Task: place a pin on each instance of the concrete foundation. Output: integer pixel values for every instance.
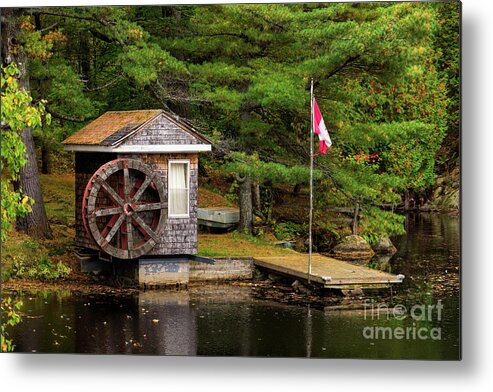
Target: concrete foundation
(163, 272)
(167, 271)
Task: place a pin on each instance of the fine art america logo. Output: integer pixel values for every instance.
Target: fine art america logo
(418, 319)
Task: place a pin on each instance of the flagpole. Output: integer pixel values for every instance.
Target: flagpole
(311, 186)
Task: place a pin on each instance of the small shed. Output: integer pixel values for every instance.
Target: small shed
(136, 180)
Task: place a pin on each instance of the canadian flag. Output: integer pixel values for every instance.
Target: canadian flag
(320, 129)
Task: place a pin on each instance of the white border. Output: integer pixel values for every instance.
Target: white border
(187, 162)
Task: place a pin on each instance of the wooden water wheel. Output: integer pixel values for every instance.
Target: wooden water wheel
(124, 208)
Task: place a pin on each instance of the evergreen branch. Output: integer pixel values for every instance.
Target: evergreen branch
(110, 83)
(237, 35)
(161, 93)
(265, 19)
(344, 64)
(102, 21)
(105, 38)
(157, 94)
(242, 36)
(49, 27)
(358, 200)
(64, 117)
(334, 71)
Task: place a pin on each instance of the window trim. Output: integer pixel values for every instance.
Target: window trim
(187, 162)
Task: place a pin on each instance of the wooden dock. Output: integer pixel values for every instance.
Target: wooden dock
(329, 272)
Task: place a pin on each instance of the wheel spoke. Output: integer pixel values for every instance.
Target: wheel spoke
(115, 228)
(109, 225)
(137, 184)
(108, 211)
(149, 206)
(143, 187)
(126, 184)
(145, 227)
(111, 192)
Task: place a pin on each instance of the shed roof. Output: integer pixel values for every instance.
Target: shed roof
(111, 124)
(112, 129)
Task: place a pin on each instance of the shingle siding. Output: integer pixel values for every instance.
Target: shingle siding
(161, 131)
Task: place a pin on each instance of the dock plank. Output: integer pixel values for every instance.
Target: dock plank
(329, 272)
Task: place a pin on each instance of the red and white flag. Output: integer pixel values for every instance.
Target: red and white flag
(320, 129)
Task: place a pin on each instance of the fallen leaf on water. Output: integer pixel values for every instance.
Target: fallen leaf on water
(155, 321)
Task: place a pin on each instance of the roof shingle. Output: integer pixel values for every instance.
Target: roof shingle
(111, 127)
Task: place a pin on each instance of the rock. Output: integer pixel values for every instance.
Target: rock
(353, 293)
(445, 193)
(353, 247)
(259, 275)
(451, 200)
(382, 262)
(384, 245)
(285, 244)
(448, 201)
(275, 278)
(300, 287)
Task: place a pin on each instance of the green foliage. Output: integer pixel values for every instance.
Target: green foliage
(32, 41)
(260, 171)
(143, 62)
(57, 82)
(34, 263)
(288, 231)
(10, 317)
(371, 238)
(17, 113)
(380, 222)
(378, 84)
(386, 80)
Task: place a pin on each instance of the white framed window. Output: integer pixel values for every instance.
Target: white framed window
(178, 188)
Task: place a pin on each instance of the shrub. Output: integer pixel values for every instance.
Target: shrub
(288, 231)
(10, 317)
(34, 263)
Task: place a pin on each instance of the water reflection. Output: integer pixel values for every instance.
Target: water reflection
(228, 320)
(186, 323)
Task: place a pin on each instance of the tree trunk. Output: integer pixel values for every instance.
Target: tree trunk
(355, 220)
(85, 60)
(45, 159)
(256, 197)
(246, 207)
(35, 223)
(409, 202)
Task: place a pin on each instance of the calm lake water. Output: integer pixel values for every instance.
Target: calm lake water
(419, 321)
